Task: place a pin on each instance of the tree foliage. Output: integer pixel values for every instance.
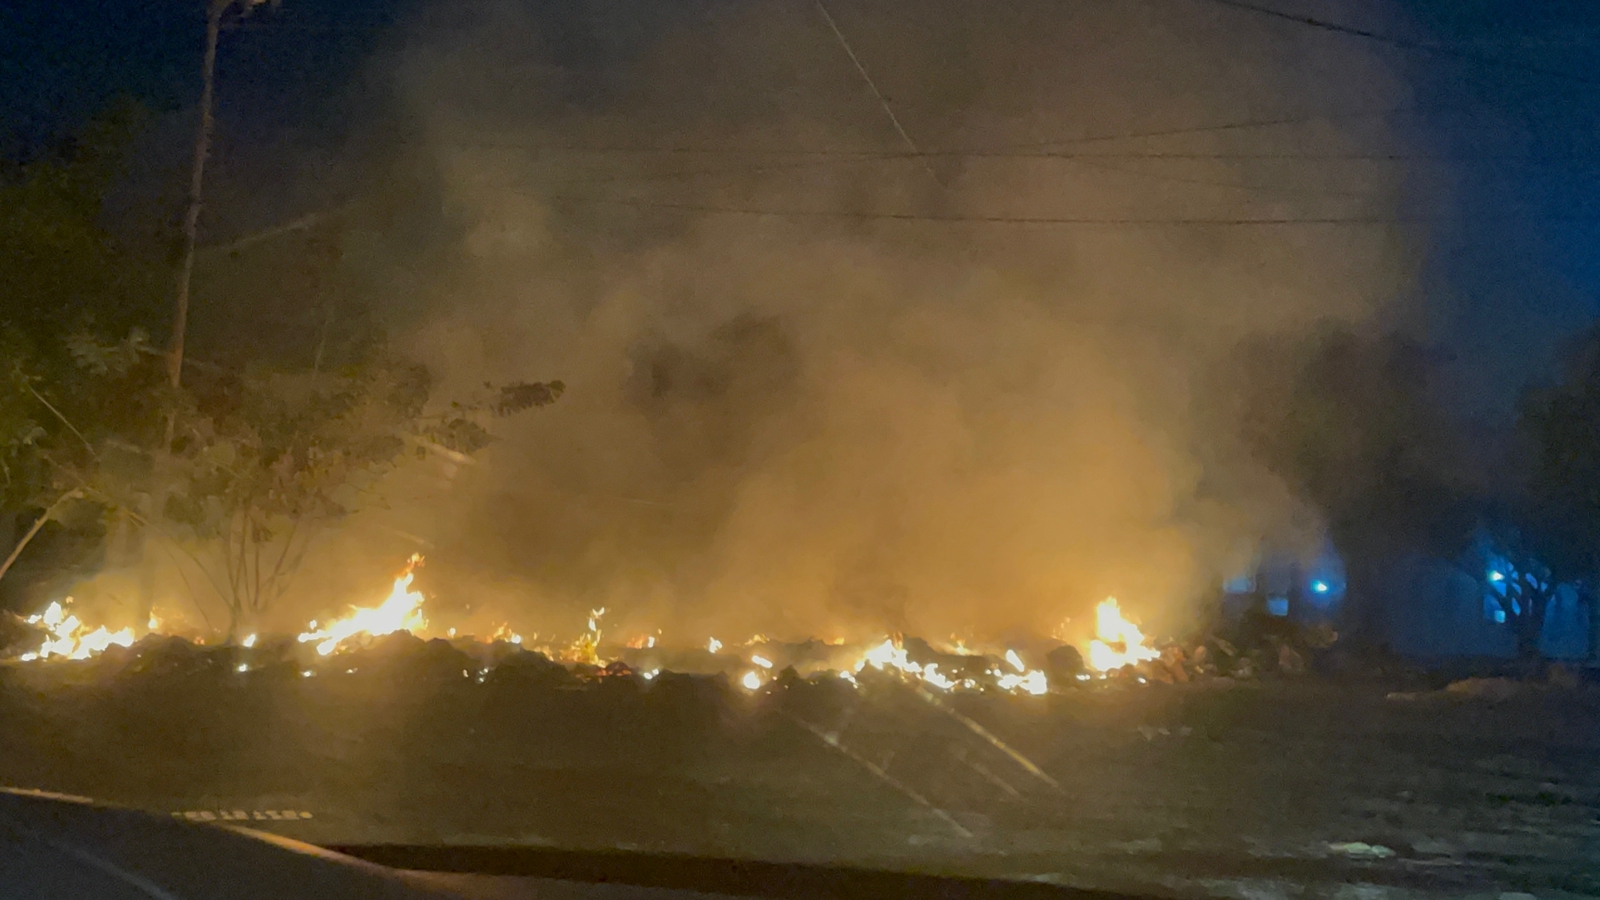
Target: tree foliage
(1561, 424)
(259, 460)
(64, 276)
(1350, 424)
(1557, 516)
(264, 460)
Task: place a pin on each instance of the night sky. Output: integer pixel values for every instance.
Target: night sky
(1510, 106)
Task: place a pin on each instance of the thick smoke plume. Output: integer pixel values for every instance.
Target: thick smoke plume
(837, 424)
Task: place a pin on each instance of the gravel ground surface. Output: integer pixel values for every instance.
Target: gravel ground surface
(1295, 788)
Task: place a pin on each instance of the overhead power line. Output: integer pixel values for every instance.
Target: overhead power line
(1404, 43)
(1312, 156)
(873, 86)
(1137, 221)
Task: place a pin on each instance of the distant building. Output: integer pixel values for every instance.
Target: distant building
(1430, 608)
(1304, 585)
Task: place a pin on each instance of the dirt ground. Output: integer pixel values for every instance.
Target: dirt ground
(1280, 788)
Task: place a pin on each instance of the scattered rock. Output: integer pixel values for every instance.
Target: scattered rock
(1151, 732)
(1320, 636)
(1562, 676)
(1493, 689)
(1361, 850)
(1064, 662)
(1290, 662)
(1173, 659)
(16, 635)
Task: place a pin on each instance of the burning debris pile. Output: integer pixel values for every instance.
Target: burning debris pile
(364, 637)
(67, 637)
(401, 611)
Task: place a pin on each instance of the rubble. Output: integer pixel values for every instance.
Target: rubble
(1562, 677)
(1361, 850)
(1064, 663)
(1290, 662)
(1492, 689)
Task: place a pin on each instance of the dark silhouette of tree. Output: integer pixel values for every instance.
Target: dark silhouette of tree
(1560, 511)
(65, 282)
(1348, 423)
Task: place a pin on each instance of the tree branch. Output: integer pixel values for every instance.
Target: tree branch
(64, 420)
(37, 524)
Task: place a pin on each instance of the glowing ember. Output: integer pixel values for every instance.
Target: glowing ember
(249, 640)
(503, 633)
(761, 661)
(1032, 682)
(751, 680)
(889, 655)
(932, 675)
(713, 645)
(401, 611)
(1117, 642)
(68, 637)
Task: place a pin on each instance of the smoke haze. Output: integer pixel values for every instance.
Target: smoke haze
(837, 424)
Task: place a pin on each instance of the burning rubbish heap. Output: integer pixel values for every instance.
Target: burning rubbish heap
(400, 611)
(58, 633)
(394, 634)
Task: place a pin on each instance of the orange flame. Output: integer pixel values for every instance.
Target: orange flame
(400, 611)
(68, 637)
(1117, 642)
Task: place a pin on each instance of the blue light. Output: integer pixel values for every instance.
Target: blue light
(1496, 576)
(1500, 616)
(1319, 586)
(1277, 606)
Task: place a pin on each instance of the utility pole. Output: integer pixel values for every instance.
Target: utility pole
(191, 216)
(215, 10)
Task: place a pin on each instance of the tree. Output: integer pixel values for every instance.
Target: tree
(62, 275)
(1560, 504)
(1521, 583)
(101, 390)
(1349, 424)
(262, 461)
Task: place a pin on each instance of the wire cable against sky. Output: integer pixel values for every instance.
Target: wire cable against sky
(1291, 155)
(1404, 43)
(1134, 221)
(871, 85)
